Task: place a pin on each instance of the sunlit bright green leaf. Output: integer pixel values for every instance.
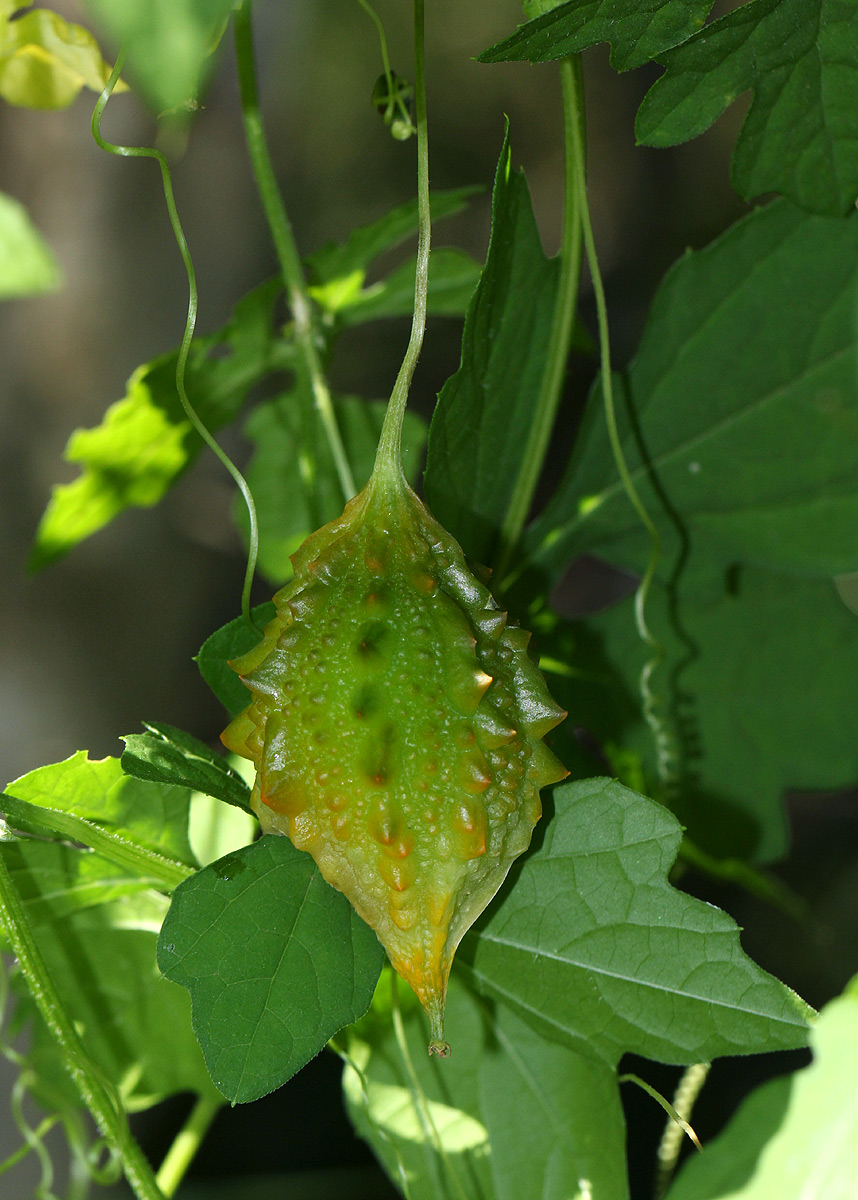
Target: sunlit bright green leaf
(800, 137)
(519, 1118)
(45, 60)
(27, 265)
(637, 31)
(594, 948)
(276, 962)
(340, 261)
(151, 815)
(479, 428)
(453, 275)
(145, 440)
(796, 1136)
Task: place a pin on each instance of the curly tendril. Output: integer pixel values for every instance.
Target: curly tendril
(190, 325)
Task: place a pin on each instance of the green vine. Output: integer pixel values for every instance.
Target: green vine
(563, 322)
(190, 323)
(306, 331)
(97, 1094)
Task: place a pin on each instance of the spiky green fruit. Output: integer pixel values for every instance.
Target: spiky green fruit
(396, 726)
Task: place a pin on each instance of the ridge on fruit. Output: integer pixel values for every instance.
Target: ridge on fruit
(396, 726)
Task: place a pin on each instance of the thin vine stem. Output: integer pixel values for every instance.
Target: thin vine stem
(563, 320)
(665, 754)
(190, 322)
(286, 249)
(418, 1096)
(95, 1091)
(388, 454)
(186, 1144)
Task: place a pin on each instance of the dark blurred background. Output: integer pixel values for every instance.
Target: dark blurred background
(105, 638)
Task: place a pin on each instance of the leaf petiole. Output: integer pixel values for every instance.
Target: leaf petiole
(563, 322)
(285, 246)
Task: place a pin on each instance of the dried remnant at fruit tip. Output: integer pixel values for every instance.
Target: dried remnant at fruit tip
(396, 726)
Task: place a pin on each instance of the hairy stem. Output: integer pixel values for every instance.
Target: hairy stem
(186, 1143)
(563, 322)
(387, 457)
(95, 1092)
(190, 322)
(285, 245)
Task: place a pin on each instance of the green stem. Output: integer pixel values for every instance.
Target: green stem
(285, 247)
(190, 321)
(563, 322)
(153, 869)
(684, 1099)
(186, 1144)
(387, 457)
(665, 754)
(418, 1096)
(95, 1092)
(675, 1117)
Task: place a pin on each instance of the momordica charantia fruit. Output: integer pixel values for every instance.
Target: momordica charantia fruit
(396, 727)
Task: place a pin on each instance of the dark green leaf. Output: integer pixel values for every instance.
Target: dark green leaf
(293, 476)
(229, 642)
(165, 754)
(169, 43)
(276, 962)
(800, 137)
(638, 30)
(795, 1136)
(518, 1117)
(337, 262)
(479, 428)
(27, 265)
(595, 949)
(453, 275)
(145, 440)
(744, 397)
(757, 664)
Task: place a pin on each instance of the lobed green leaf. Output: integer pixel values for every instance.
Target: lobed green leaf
(757, 663)
(794, 1136)
(151, 816)
(594, 948)
(800, 137)
(638, 31)
(275, 960)
(741, 417)
(145, 440)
